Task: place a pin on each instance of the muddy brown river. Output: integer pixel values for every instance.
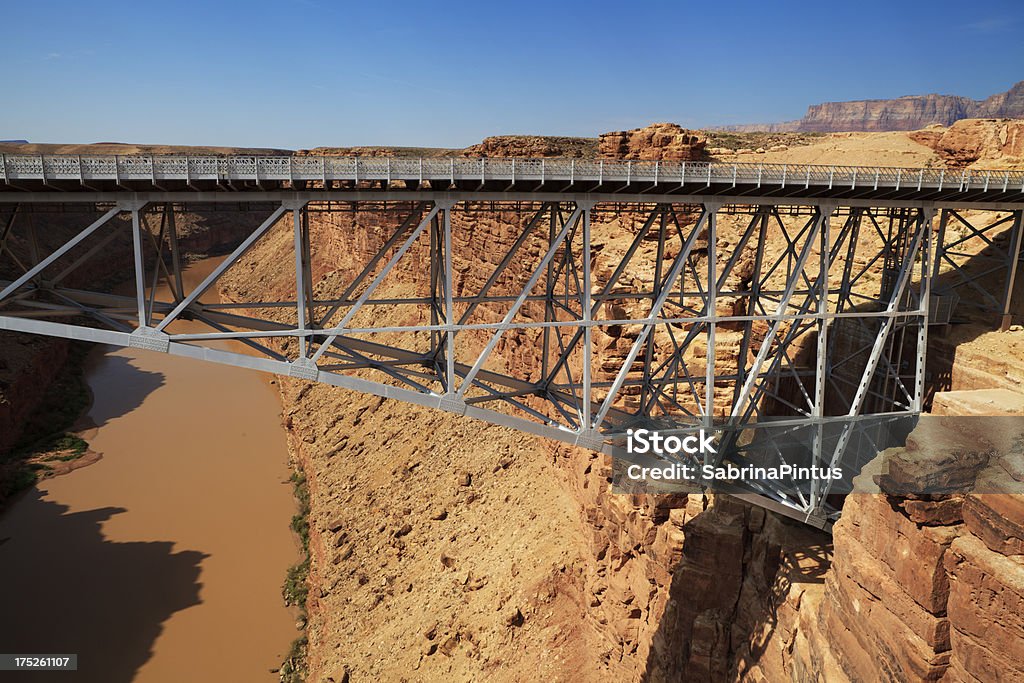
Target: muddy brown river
(162, 562)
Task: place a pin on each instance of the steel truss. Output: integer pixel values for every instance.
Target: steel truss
(802, 341)
(976, 263)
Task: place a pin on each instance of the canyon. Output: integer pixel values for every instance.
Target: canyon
(444, 550)
(447, 551)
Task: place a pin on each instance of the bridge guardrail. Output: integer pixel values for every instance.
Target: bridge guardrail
(287, 168)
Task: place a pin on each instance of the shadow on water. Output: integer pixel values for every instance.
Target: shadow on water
(122, 383)
(66, 589)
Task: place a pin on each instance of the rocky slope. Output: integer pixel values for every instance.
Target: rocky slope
(902, 113)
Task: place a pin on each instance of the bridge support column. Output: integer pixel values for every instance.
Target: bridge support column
(140, 266)
(172, 237)
(927, 270)
(821, 365)
(303, 287)
(711, 315)
(449, 297)
(587, 391)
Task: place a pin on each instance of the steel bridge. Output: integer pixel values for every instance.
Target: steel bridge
(784, 308)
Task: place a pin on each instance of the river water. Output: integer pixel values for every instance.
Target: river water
(162, 562)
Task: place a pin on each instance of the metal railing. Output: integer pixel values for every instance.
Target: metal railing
(289, 168)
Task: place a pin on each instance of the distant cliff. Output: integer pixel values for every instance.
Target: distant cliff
(903, 113)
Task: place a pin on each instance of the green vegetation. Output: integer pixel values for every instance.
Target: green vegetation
(294, 668)
(300, 521)
(296, 582)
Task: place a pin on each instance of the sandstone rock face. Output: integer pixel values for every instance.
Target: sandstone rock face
(659, 141)
(933, 598)
(997, 142)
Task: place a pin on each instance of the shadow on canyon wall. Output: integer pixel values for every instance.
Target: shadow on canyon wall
(107, 607)
(725, 593)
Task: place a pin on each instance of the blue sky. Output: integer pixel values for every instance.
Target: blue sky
(302, 73)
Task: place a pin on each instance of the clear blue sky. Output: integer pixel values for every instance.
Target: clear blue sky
(302, 73)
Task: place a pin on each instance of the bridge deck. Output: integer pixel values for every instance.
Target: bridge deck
(781, 182)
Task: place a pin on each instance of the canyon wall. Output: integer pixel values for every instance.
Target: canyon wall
(902, 113)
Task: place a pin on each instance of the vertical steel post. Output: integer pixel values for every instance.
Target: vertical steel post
(924, 312)
(940, 243)
(435, 280)
(172, 234)
(300, 276)
(308, 261)
(549, 296)
(588, 341)
(158, 264)
(711, 315)
(821, 359)
(140, 273)
(449, 296)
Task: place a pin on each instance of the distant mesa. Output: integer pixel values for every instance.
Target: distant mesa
(912, 112)
(14, 142)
